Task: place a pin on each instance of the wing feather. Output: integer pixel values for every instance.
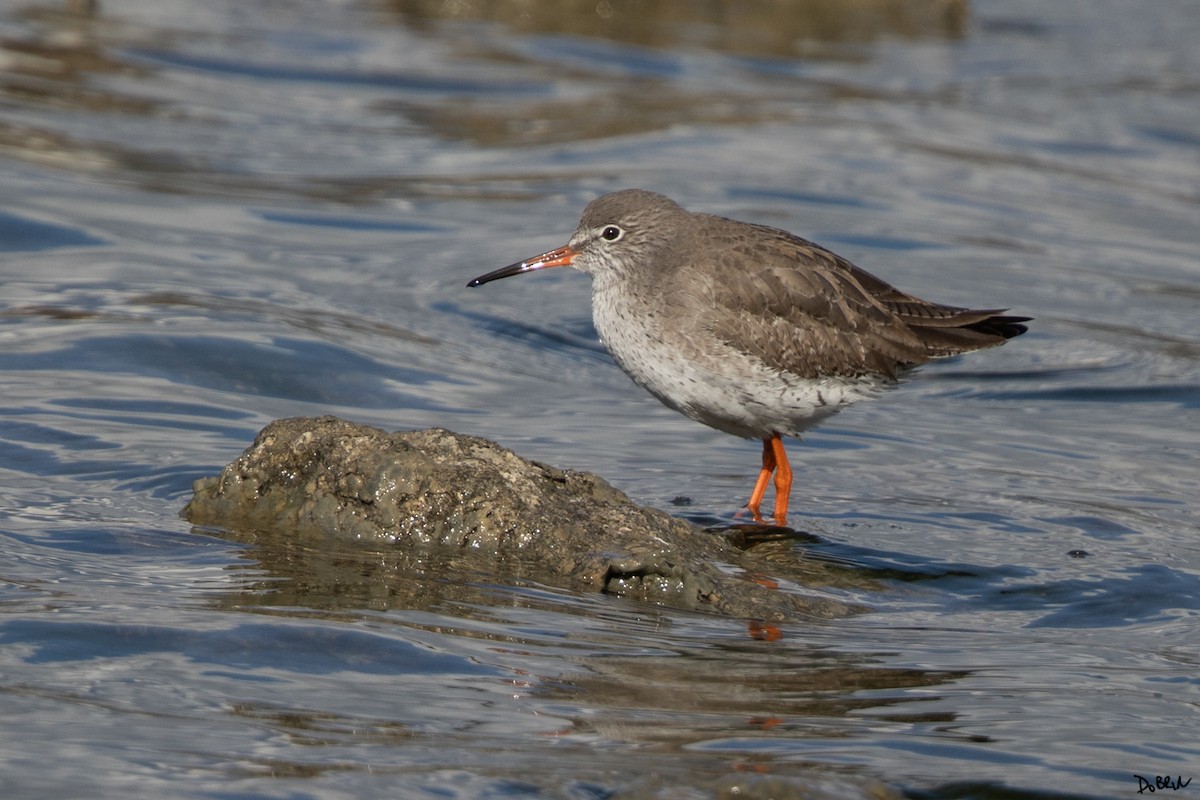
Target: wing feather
(802, 309)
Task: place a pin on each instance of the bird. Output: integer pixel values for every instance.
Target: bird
(747, 328)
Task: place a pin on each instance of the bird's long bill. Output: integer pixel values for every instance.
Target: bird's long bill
(562, 257)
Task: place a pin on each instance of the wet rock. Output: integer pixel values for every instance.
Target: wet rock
(321, 478)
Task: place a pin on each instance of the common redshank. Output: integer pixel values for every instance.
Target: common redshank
(750, 329)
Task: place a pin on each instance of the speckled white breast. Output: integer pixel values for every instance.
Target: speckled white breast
(692, 372)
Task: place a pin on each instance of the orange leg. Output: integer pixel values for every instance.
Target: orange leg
(783, 478)
(764, 475)
(774, 460)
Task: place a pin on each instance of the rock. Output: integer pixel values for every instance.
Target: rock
(316, 478)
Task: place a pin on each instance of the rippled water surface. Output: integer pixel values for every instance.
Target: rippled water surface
(216, 214)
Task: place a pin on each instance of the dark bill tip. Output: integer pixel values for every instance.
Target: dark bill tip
(503, 272)
(562, 257)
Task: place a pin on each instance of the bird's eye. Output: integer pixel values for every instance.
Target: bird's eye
(611, 233)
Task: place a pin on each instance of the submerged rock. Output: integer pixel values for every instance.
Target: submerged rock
(438, 490)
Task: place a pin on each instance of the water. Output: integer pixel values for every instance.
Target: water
(213, 215)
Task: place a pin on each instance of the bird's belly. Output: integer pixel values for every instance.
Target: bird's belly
(731, 391)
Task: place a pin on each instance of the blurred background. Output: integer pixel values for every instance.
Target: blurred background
(217, 214)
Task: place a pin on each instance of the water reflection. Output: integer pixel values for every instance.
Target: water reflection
(778, 29)
(643, 673)
(738, 692)
(592, 87)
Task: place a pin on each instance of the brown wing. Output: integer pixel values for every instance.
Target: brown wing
(806, 310)
(944, 330)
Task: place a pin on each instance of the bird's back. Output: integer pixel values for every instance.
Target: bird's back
(805, 310)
